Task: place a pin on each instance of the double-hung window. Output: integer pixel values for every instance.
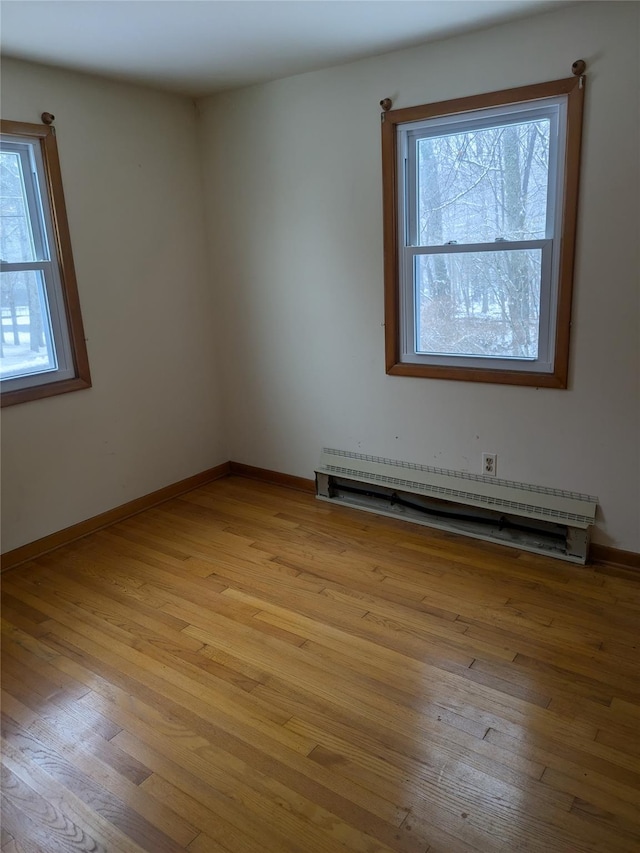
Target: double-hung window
(480, 206)
(42, 347)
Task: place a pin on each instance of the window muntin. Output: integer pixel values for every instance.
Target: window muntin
(480, 199)
(42, 342)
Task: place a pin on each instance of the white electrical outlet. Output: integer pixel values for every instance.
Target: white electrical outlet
(489, 464)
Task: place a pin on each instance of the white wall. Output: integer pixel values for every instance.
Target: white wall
(134, 197)
(294, 316)
(294, 223)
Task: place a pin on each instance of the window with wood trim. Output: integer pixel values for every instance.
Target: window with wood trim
(42, 345)
(480, 198)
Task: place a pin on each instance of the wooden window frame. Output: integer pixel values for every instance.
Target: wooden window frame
(573, 88)
(61, 242)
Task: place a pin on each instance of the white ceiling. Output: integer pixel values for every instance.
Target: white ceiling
(197, 47)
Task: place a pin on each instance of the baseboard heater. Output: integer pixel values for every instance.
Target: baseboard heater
(532, 518)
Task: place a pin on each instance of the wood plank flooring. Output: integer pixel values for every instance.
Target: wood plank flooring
(247, 670)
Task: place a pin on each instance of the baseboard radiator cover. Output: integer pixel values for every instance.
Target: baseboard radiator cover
(545, 521)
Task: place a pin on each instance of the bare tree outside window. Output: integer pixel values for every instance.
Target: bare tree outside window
(478, 187)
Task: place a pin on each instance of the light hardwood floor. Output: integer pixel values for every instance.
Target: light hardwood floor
(245, 669)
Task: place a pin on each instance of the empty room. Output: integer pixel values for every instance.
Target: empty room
(320, 374)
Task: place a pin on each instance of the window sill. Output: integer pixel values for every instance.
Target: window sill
(469, 374)
(52, 389)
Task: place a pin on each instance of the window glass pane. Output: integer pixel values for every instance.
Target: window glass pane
(16, 235)
(479, 186)
(478, 303)
(26, 341)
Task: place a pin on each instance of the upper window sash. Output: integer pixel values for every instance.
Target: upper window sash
(30, 159)
(552, 109)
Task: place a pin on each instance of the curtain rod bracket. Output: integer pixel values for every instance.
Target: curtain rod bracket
(47, 118)
(579, 67)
